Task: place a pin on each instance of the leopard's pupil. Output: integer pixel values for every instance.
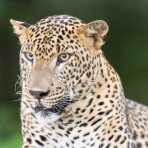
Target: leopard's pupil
(30, 55)
(64, 56)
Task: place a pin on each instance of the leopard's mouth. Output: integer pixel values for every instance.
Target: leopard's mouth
(57, 108)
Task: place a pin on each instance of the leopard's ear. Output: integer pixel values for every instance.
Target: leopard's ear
(20, 29)
(98, 27)
(94, 33)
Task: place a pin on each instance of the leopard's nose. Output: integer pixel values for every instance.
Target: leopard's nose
(38, 94)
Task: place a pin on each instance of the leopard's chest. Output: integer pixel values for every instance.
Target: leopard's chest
(73, 135)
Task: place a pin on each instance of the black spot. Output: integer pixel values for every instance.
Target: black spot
(84, 98)
(108, 85)
(39, 143)
(96, 128)
(106, 79)
(83, 125)
(142, 135)
(101, 145)
(106, 96)
(83, 110)
(98, 96)
(108, 145)
(76, 137)
(59, 134)
(91, 110)
(90, 102)
(60, 37)
(110, 137)
(71, 41)
(88, 74)
(95, 121)
(60, 126)
(69, 129)
(59, 41)
(63, 32)
(146, 143)
(134, 135)
(86, 134)
(83, 141)
(139, 145)
(118, 138)
(77, 77)
(67, 144)
(100, 113)
(122, 141)
(120, 128)
(43, 138)
(92, 145)
(109, 111)
(29, 140)
(101, 103)
(70, 121)
(79, 130)
(83, 59)
(90, 119)
(55, 140)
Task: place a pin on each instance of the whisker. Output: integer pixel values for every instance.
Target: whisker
(16, 100)
(18, 92)
(17, 83)
(27, 96)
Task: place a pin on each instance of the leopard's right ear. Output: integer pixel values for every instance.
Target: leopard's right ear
(20, 29)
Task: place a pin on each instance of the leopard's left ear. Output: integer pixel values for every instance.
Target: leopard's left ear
(94, 33)
(98, 27)
(20, 29)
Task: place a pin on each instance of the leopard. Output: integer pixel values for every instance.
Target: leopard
(71, 96)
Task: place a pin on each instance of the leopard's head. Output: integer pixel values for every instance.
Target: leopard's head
(56, 54)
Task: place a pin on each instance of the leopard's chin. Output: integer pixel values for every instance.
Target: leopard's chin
(46, 117)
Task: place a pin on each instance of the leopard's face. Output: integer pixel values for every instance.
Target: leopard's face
(54, 57)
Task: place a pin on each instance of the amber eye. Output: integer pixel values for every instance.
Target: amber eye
(63, 57)
(28, 56)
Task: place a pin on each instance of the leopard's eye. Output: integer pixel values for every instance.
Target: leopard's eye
(28, 56)
(63, 57)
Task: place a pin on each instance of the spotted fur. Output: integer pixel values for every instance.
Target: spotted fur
(71, 96)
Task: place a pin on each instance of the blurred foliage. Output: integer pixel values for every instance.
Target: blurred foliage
(126, 48)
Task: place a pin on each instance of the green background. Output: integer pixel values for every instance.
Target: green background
(126, 48)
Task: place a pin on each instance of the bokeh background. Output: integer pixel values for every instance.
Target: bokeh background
(126, 48)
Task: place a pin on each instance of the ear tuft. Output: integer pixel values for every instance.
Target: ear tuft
(19, 27)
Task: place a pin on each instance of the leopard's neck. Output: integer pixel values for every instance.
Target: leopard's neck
(102, 88)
